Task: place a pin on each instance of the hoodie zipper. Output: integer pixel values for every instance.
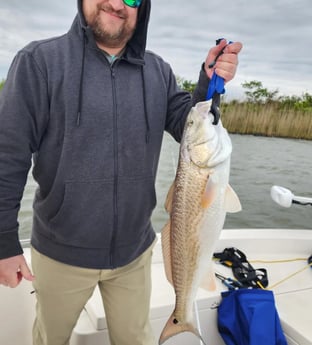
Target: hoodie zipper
(115, 143)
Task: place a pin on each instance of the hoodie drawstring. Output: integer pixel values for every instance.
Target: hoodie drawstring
(81, 79)
(147, 124)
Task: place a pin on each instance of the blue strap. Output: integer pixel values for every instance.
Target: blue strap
(216, 85)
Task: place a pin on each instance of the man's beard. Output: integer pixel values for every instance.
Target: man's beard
(107, 37)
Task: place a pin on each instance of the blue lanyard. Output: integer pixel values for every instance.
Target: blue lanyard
(216, 84)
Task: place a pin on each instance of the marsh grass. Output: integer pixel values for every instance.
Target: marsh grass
(264, 112)
(270, 119)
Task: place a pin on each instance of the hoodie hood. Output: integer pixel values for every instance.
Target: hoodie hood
(137, 44)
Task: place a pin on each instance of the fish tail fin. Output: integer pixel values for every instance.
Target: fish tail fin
(174, 327)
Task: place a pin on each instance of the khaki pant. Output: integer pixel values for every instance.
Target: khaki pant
(62, 292)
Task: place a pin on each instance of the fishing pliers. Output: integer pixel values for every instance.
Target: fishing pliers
(230, 283)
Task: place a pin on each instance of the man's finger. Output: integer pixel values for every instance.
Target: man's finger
(233, 48)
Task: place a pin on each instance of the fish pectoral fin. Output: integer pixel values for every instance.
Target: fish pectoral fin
(210, 193)
(165, 244)
(168, 202)
(231, 201)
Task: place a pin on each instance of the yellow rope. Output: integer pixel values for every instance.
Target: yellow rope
(278, 261)
(288, 277)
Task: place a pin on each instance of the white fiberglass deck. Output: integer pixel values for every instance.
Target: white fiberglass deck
(293, 296)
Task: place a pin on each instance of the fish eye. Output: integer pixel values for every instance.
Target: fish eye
(190, 123)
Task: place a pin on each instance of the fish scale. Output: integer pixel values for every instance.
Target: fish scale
(184, 238)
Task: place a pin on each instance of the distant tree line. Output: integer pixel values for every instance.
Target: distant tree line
(1, 84)
(258, 94)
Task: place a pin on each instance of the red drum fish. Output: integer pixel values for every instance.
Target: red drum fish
(197, 203)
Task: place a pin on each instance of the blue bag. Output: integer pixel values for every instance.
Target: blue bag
(249, 317)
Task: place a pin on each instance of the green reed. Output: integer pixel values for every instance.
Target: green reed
(270, 119)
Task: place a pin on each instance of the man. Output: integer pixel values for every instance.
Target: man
(90, 108)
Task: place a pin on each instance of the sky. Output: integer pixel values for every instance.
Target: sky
(276, 35)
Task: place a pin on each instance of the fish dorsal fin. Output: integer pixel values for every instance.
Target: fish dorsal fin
(210, 192)
(168, 202)
(166, 251)
(231, 201)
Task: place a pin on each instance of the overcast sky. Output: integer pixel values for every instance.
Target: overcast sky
(276, 35)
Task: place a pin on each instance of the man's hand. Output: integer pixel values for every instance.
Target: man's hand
(13, 270)
(226, 64)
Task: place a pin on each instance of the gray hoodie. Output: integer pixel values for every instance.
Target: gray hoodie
(94, 132)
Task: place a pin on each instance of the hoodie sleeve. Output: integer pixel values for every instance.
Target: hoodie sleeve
(200, 92)
(23, 118)
(181, 102)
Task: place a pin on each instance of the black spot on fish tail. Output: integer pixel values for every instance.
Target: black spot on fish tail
(174, 327)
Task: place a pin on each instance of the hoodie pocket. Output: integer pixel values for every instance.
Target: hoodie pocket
(135, 210)
(85, 217)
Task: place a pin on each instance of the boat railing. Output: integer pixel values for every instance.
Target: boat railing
(25, 242)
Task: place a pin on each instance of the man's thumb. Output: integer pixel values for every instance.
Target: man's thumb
(214, 53)
(25, 272)
(218, 49)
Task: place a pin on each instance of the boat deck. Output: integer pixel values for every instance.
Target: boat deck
(263, 248)
(293, 296)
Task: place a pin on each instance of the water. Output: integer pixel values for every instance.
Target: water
(257, 164)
